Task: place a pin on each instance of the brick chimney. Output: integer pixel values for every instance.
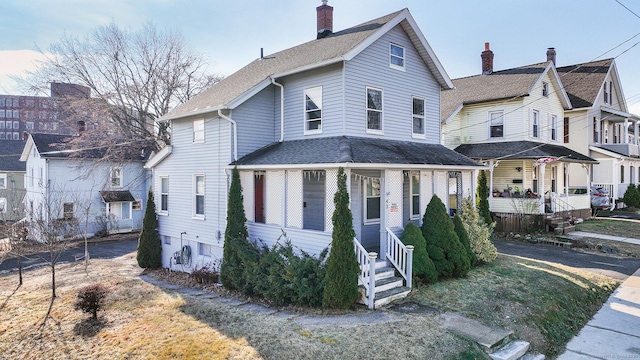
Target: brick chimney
(551, 55)
(325, 19)
(487, 60)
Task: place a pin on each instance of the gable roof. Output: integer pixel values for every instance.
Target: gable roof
(345, 149)
(583, 82)
(512, 150)
(335, 48)
(499, 85)
(10, 151)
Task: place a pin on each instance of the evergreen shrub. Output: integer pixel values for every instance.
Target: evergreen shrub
(423, 268)
(149, 255)
(479, 232)
(631, 196)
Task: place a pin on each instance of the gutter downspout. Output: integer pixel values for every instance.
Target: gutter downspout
(235, 133)
(281, 109)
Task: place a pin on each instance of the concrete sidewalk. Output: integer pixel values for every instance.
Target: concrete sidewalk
(605, 237)
(614, 331)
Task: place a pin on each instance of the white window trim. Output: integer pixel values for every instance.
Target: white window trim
(3, 184)
(404, 57)
(364, 204)
(501, 112)
(111, 177)
(304, 106)
(139, 201)
(160, 210)
(545, 89)
(194, 197)
(411, 195)
(423, 116)
(366, 106)
(198, 134)
(534, 124)
(553, 127)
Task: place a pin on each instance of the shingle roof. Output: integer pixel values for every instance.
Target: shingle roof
(582, 82)
(10, 151)
(520, 150)
(117, 196)
(343, 149)
(499, 85)
(63, 146)
(330, 49)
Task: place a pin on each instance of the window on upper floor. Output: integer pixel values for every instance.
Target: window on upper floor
(566, 130)
(496, 119)
(116, 176)
(198, 193)
(3, 181)
(418, 117)
(605, 90)
(16, 136)
(372, 201)
(29, 125)
(313, 110)
(2, 113)
(198, 130)
(535, 123)
(164, 194)
(596, 130)
(415, 195)
(611, 92)
(545, 89)
(554, 128)
(374, 110)
(16, 114)
(396, 57)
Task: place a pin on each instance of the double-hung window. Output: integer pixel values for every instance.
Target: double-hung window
(554, 127)
(3, 181)
(313, 110)
(67, 210)
(396, 57)
(198, 130)
(116, 177)
(372, 201)
(496, 119)
(545, 89)
(374, 110)
(535, 123)
(415, 195)
(198, 206)
(164, 194)
(418, 117)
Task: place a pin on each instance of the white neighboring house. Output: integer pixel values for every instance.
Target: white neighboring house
(64, 185)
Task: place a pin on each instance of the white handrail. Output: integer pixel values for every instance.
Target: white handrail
(400, 256)
(367, 277)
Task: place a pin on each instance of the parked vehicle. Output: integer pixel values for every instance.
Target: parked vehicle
(600, 198)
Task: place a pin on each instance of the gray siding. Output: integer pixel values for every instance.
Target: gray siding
(371, 68)
(258, 120)
(187, 159)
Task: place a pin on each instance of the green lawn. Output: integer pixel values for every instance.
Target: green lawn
(618, 227)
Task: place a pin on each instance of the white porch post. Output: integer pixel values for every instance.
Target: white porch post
(541, 187)
(391, 212)
(383, 214)
(566, 179)
(474, 186)
(491, 184)
(626, 130)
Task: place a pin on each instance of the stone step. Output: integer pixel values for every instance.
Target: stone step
(489, 338)
(533, 357)
(385, 297)
(512, 351)
(568, 229)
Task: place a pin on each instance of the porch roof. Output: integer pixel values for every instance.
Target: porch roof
(514, 150)
(117, 196)
(345, 149)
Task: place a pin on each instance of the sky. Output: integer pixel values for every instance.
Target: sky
(230, 33)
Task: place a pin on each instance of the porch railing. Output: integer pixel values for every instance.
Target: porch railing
(559, 205)
(400, 256)
(367, 276)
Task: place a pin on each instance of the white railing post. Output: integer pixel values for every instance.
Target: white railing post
(372, 279)
(409, 265)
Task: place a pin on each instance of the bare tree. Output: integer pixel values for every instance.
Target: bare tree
(134, 78)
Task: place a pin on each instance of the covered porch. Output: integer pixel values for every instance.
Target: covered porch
(617, 131)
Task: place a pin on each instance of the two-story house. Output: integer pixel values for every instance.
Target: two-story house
(600, 125)
(513, 120)
(366, 99)
(12, 173)
(63, 183)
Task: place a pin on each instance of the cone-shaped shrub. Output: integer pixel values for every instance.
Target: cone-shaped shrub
(423, 267)
(479, 232)
(341, 286)
(463, 236)
(235, 238)
(149, 245)
(631, 197)
(483, 198)
(439, 233)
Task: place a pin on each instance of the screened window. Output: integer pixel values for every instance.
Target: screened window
(374, 109)
(418, 116)
(199, 195)
(164, 193)
(67, 211)
(116, 176)
(415, 195)
(497, 123)
(313, 109)
(198, 130)
(372, 201)
(396, 56)
(535, 123)
(554, 127)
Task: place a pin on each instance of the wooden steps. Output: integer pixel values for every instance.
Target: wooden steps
(388, 287)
